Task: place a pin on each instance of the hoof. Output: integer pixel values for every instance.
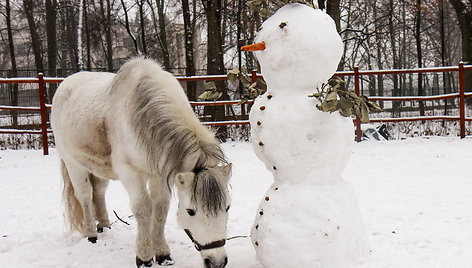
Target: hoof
(100, 229)
(164, 260)
(92, 240)
(140, 263)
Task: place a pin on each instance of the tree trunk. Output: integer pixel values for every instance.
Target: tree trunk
(108, 38)
(396, 105)
(155, 24)
(35, 40)
(333, 9)
(215, 64)
(163, 34)
(62, 49)
(443, 54)
(87, 37)
(107, 28)
(128, 29)
(403, 53)
(80, 58)
(224, 20)
(142, 25)
(71, 33)
(419, 53)
(51, 32)
(380, 86)
(464, 16)
(189, 61)
(11, 47)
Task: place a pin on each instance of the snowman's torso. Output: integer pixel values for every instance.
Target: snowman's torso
(305, 226)
(296, 141)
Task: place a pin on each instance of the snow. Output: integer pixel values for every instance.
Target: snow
(414, 194)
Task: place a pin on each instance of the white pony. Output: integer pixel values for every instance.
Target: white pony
(137, 126)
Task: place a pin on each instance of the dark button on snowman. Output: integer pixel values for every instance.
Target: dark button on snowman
(309, 217)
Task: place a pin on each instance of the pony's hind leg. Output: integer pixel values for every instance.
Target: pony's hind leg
(100, 212)
(79, 177)
(160, 195)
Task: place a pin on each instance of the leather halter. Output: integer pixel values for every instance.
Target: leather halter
(200, 247)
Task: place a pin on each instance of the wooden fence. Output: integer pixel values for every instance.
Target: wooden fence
(43, 107)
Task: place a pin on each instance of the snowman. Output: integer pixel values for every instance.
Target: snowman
(309, 217)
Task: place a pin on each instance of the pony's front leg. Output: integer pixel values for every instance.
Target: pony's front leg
(141, 207)
(160, 195)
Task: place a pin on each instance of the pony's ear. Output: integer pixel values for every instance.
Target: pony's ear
(226, 169)
(184, 180)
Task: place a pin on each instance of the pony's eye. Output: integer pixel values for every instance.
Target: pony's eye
(282, 25)
(191, 212)
(227, 208)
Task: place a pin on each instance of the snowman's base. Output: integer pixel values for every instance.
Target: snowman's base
(309, 226)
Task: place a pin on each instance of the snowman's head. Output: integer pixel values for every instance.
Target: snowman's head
(302, 47)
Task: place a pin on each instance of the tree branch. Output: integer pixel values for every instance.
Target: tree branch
(120, 218)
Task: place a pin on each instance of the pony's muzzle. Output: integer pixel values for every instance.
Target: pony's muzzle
(214, 258)
(209, 263)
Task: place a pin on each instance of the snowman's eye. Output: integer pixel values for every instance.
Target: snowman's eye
(282, 25)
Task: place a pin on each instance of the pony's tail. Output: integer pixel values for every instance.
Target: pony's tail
(73, 211)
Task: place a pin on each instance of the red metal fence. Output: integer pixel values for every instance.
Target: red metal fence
(43, 107)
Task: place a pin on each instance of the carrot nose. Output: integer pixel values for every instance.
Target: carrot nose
(254, 47)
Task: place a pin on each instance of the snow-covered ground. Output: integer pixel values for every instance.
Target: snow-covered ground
(415, 196)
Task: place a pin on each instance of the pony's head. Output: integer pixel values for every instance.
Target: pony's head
(203, 211)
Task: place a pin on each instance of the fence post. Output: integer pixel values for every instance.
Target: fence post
(42, 106)
(254, 76)
(462, 99)
(357, 91)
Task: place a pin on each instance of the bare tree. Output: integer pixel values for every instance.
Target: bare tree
(142, 25)
(80, 58)
(393, 44)
(464, 14)
(51, 33)
(334, 10)
(189, 60)
(107, 24)
(215, 64)
(163, 34)
(87, 36)
(28, 6)
(11, 47)
(378, 41)
(128, 28)
(419, 53)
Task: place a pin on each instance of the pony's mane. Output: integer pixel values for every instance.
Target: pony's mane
(209, 192)
(167, 139)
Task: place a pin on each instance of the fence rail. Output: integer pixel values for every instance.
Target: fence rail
(43, 107)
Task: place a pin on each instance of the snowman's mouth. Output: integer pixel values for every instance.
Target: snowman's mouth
(254, 47)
